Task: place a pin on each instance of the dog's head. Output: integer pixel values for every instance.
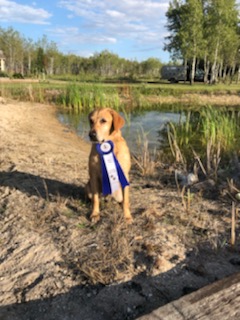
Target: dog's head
(103, 123)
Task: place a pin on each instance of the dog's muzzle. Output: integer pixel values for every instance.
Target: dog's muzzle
(93, 135)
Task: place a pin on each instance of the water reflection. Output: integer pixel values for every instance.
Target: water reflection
(139, 126)
(148, 125)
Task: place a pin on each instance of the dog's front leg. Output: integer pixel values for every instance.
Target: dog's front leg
(95, 215)
(126, 210)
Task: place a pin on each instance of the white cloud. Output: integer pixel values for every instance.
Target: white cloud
(127, 9)
(115, 14)
(11, 11)
(141, 21)
(74, 35)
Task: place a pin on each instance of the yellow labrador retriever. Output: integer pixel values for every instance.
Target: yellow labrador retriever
(105, 125)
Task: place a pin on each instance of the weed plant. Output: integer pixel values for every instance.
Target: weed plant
(220, 127)
(210, 135)
(146, 160)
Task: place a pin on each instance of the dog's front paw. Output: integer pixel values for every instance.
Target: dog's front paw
(128, 217)
(95, 217)
(129, 220)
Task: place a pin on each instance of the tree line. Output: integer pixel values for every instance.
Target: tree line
(29, 58)
(205, 33)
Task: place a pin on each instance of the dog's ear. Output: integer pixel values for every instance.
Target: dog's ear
(118, 121)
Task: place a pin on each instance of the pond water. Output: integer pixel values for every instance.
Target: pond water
(138, 127)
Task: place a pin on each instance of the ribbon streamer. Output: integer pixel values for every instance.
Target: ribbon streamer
(112, 174)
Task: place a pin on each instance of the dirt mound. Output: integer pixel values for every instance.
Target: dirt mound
(55, 265)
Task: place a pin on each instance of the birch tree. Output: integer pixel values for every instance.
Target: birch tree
(191, 33)
(174, 23)
(206, 30)
(220, 30)
(12, 46)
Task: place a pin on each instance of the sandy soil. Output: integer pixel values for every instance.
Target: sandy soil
(55, 265)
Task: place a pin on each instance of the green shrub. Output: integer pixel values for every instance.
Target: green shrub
(3, 74)
(17, 76)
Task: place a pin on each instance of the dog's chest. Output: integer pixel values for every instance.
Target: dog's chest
(94, 159)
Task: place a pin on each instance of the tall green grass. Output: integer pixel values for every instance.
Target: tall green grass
(220, 127)
(84, 96)
(87, 97)
(210, 135)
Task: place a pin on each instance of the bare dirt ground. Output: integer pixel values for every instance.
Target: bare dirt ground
(55, 265)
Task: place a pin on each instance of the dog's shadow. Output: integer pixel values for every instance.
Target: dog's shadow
(35, 185)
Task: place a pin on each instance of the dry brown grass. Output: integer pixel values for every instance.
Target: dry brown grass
(147, 161)
(107, 257)
(195, 99)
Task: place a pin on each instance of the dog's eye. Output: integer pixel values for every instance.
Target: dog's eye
(103, 120)
(91, 122)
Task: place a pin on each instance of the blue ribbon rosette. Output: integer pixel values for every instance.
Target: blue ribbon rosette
(112, 174)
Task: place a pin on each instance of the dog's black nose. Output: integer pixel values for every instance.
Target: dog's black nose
(93, 135)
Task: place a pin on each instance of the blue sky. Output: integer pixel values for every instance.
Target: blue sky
(133, 29)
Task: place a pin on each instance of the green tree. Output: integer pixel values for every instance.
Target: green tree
(204, 30)
(106, 63)
(11, 43)
(174, 23)
(151, 67)
(29, 50)
(220, 31)
(191, 33)
(40, 61)
(52, 57)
